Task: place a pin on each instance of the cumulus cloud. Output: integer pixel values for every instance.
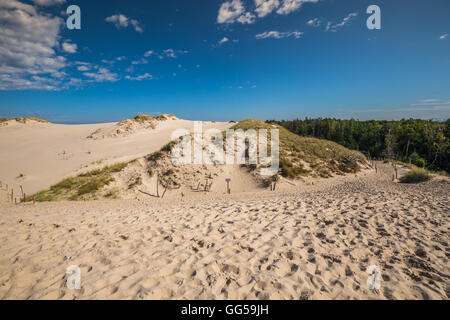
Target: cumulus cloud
(102, 75)
(122, 21)
(333, 27)
(264, 7)
(229, 11)
(234, 11)
(29, 39)
(69, 47)
(443, 36)
(246, 18)
(289, 6)
(279, 35)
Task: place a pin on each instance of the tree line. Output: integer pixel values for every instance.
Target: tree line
(424, 143)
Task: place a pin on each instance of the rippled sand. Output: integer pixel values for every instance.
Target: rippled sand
(313, 243)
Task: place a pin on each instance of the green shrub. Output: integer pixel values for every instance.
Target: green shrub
(416, 176)
(420, 163)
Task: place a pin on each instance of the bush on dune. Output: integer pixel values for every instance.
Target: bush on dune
(416, 176)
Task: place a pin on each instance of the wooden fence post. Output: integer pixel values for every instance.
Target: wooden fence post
(228, 185)
(157, 184)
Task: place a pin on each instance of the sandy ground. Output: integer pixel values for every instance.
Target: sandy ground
(311, 242)
(47, 153)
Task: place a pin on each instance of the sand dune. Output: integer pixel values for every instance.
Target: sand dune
(309, 242)
(45, 153)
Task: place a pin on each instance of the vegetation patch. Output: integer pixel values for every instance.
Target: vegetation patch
(143, 118)
(25, 119)
(81, 187)
(325, 158)
(415, 176)
(424, 143)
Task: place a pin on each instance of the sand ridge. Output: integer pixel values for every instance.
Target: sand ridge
(38, 155)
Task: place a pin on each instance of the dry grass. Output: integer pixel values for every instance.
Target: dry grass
(143, 118)
(324, 157)
(83, 186)
(25, 119)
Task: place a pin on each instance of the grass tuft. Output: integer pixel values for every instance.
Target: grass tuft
(416, 176)
(79, 187)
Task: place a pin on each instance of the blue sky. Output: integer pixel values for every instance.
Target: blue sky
(222, 60)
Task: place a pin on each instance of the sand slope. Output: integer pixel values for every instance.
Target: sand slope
(313, 242)
(46, 153)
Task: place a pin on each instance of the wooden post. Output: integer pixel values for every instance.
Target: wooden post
(165, 189)
(376, 169)
(6, 187)
(274, 185)
(24, 197)
(206, 185)
(12, 195)
(157, 184)
(228, 185)
(21, 190)
(393, 177)
(15, 201)
(396, 173)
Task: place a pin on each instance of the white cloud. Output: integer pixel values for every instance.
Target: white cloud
(83, 68)
(122, 21)
(102, 75)
(333, 27)
(247, 18)
(141, 61)
(314, 22)
(279, 35)
(289, 6)
(148, 53)
(234, 11)
(170, 53)
(145, 76)
(223, 40)
(229, 11)
(443, 36)
(69, 47)
(264, 7)
(48, 2)
(29, 40)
